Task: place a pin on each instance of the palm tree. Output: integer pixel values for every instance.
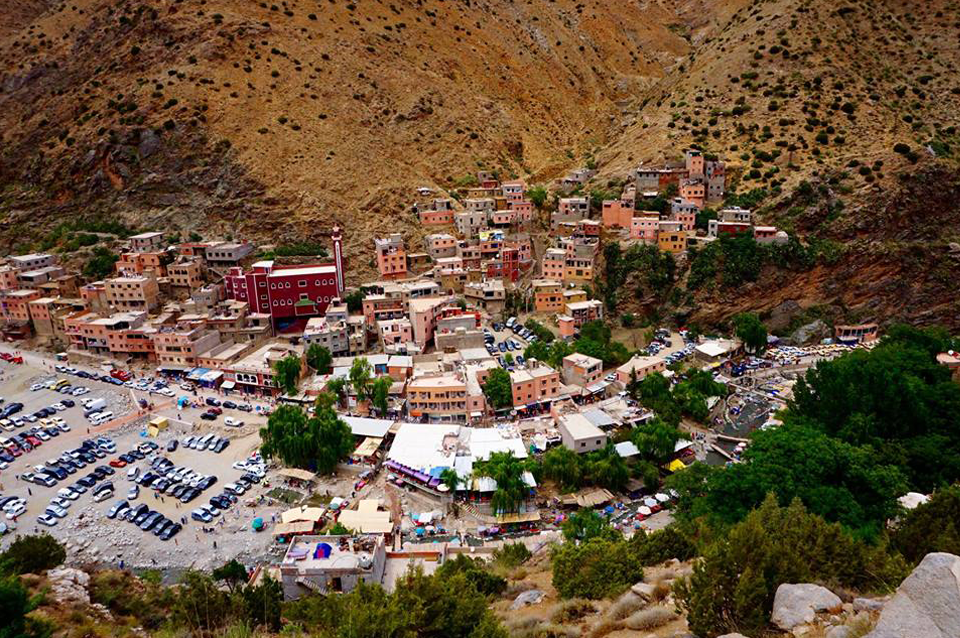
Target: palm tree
(450, 479)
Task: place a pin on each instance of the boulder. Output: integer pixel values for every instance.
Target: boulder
(867, 604)
(927, 603)
(530, 597)
(644, 590)
(69, 585)
(798, 604)
(840, 631)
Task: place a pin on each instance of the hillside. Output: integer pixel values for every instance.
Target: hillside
(275, 120)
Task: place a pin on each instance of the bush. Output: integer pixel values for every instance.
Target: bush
(732, 588)
(626, 605)
(931, 527)
(484, 581)
(32, 554)
(572, 610)
(511, 555)
(649, 619)
(662, 545)
(598, 568)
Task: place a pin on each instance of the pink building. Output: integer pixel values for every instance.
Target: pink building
(553, 265)
(430, 217)
(694, 191)
(514, 190)
(523, 210)
(395, 333)
(645, 227)
(617, 214)
(391, 257)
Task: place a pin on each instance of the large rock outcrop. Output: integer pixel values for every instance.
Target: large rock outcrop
(798, 604)
(927, 603)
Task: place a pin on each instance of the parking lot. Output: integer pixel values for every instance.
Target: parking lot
(501, 340)
(71, 481)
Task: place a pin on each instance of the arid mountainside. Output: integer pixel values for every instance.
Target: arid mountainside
(276, 120)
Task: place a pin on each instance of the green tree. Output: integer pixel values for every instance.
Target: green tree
(476, 573)
(15, 604)
(354, 301)
(598, 568)
(562, 465)
(732, 588)
(286, 374)
(450, 478)
(605, 468)
(100, 263)
(662, 545)
(200, 605)
(751, 331)
(498, 389)
(338, 388)
(32, 554)
(507, 471)
(320, 441)
(232, 573)
(896, 398)
(380, 394)
(931, 527)
(319, 358)
(360, 374)
(263, 602)
(537, 195)
(656, 441)
(585, 524)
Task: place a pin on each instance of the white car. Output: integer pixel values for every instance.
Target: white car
(46, 519)
(79, 391)
(133, 492)
(167, 392)
(16, 510)
(14, 504)
(37, 386)
(59, 512)
(232, 421)
(132, 473)
(60, 502)
(67, 493)
(102, 495)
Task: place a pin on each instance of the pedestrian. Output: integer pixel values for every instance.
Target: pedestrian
(29, 492)
(214, 544)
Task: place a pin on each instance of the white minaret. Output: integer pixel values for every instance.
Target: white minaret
(338, 257)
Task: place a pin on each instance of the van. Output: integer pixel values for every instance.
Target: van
(103, 417)
(204, 441)
(96, 405)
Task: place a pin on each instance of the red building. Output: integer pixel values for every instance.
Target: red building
(289, 294)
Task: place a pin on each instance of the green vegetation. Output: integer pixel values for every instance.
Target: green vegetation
(571, 471)
(438, 606)
(360, 374)
(658, 270)
(100, 264)
(32, 554)
(319, 358)
(297, 249)
(670, 403)
(600, 567)
(751, 331)
(896, 399)
(542, 332)
(317, 442)
(498, 389)
(585, 524)
(354, 301)
(507, 470)
(286, 374)
(537, 195)
(931, 527)
(732, 588)
(380, 394)
(595, 341)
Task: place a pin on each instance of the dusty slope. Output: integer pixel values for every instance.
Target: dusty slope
(336, 109)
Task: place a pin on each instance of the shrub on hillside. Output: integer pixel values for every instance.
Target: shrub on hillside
(597, 568)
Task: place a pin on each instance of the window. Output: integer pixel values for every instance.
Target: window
(263, 284)
(275, 303)
(303, 296)
(302, 283)
(263, 296)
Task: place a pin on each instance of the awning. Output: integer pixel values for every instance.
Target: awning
(211, 376)
(228, 385)
(292, 472)
(297, 527)
(523, 517)
(197, 373)
(172, 368)
(368, 447)
(311, 514)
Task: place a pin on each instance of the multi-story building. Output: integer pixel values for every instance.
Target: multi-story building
(186, 274)
(533, 384)
(337, 331)
(769, 235)
(547, 295)
(522, 211)
(470, 222)
(684, 212)
(581, 370)
(617, 213)
(570, 209)
(94, 295)
(423, 314)
(694, 190)
(289, 294)
(396, 335)
(32, 261)
(640, 367)
(8, 278)
(227, 253)
(553, 265)
(180, 346)
(580, 434)
(514, 190)
(39, 276)
(717, 228)
(392, 300)
(645, 228)
(147, 263)
(122, 333)
(671, 238)
(146, 242)
(584, 311)
(438, 398)
(133, 292)
(440, 245)
(489, 295)
(735, 214)
(254, 373)
(391, 257)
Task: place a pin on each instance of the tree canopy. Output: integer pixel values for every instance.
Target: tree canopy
(895, 398)
(380, 394)
(498, 389)
(507, 470)
(751, 331)
(318, 442)
(286, 374)
(931, 527)
(360, 374)
(319, 358)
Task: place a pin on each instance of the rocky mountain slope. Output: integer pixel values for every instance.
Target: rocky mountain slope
(279, 119)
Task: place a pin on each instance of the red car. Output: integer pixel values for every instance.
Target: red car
(6, 356)
(14, 450)
(118, 463)
(214, 410)
(34, 441)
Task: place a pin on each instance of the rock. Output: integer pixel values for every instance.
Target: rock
(644, 590)
(530, 597)
(927, 603)
(867, 604)
(840, 631)
(69, 585)
(798, 604)
(732, 636)
(813, 331)
(149, 143)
